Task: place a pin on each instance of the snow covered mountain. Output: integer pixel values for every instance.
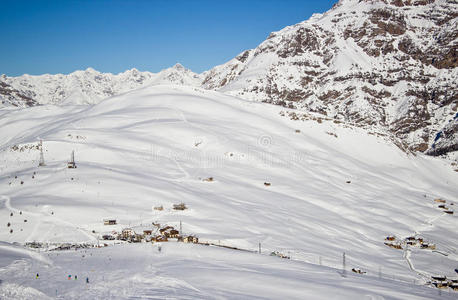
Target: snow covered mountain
(310, 190)
(387, 64)
(85, 87)
(288, 201)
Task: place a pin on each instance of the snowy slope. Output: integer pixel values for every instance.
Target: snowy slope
(86, 87)
(333, 189)
(387, 64)
(183, 271)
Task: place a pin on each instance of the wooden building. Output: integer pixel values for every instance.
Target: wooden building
(127, 233)
(190, 239)
(180, 206)
(109, 222)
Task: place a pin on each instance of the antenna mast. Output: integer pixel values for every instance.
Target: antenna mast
(42, 158)
(71, 164)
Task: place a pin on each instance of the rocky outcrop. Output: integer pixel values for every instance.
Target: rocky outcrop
(446, 140)
(13, 97)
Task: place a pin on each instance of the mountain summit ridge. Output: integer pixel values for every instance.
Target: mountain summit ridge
(87, 86)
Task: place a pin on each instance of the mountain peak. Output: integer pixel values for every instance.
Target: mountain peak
(179, 66)
(91, 70)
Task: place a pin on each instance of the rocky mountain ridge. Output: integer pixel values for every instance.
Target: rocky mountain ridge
(371, 63)
(85, 87)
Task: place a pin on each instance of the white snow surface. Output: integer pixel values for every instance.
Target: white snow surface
(155, 145)
(183, 271)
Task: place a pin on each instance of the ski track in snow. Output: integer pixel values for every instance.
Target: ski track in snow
(35, 234)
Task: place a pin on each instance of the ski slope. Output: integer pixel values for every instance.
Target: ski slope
(333, 189)
(181, 271)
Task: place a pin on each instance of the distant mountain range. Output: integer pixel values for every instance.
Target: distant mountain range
(385, 65)
(86, 87)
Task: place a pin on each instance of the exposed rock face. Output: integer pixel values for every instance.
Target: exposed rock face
(446, 140)
(11, 96)
(385, 63)
(85, 87)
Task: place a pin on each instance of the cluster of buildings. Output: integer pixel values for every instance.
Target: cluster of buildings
(155, 233)
(442, 204)
(412, 241)
(179, 206)
(442, 282)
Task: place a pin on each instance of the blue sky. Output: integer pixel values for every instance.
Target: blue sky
(112, 36)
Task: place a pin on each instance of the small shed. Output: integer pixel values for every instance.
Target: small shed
(428, 246)
(190, 239)
(174, 233)
(358, 271)
(180, 206)
(439, 277)
(109, 222)
(440, 284)
(108, 237)
(147, 232)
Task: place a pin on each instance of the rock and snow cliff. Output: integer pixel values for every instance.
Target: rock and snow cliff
(378, 63)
